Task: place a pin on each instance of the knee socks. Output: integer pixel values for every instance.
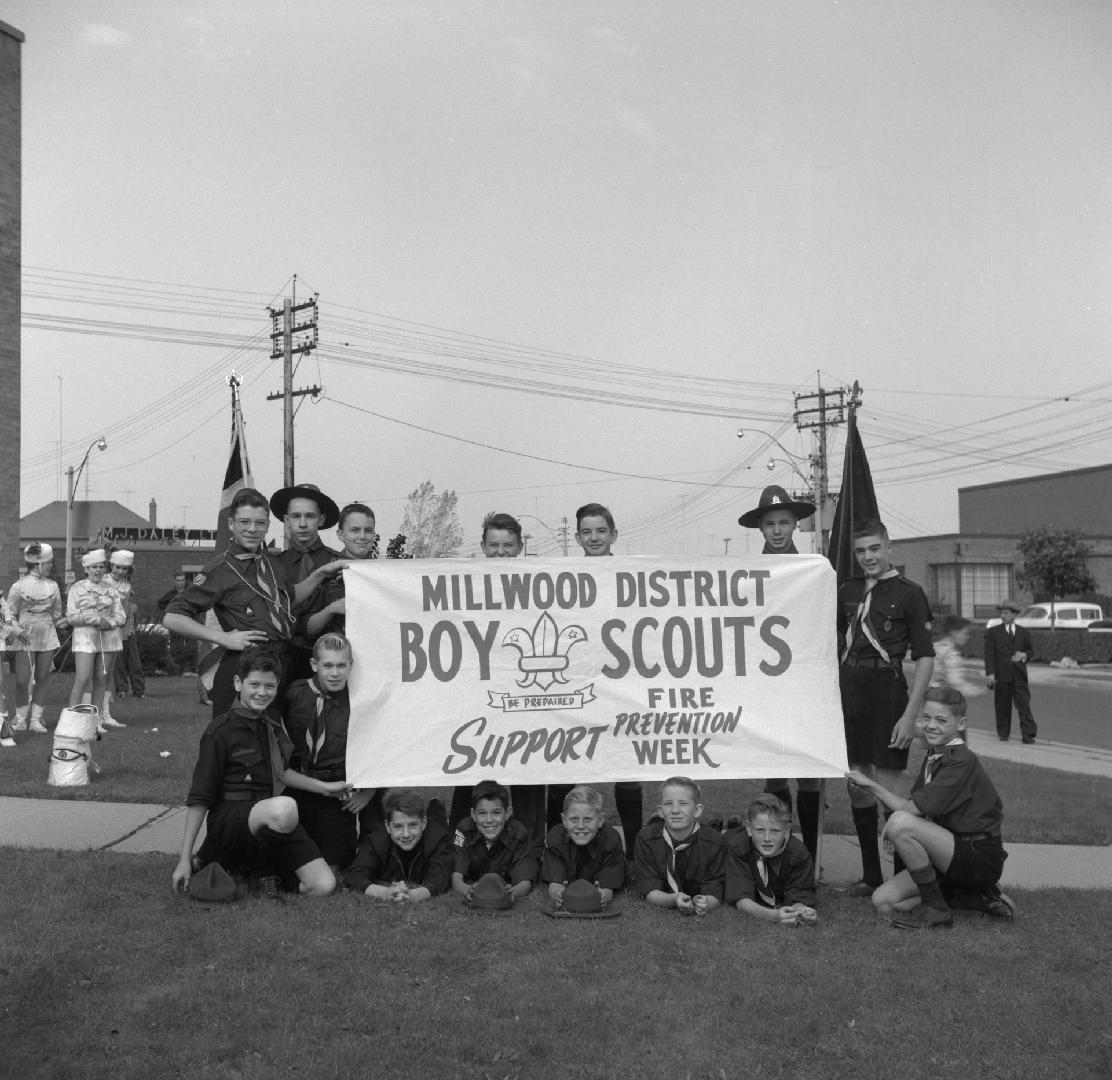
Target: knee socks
(807, 804)
(929, 892)
(865, 819)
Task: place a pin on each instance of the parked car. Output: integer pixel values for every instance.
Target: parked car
(1067, 615)
(1101, 626)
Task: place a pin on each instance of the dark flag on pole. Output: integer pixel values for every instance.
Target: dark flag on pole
(238, 474)
(856, 501)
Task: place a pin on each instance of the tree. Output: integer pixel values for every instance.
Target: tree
(431, 524)
(1055, 562)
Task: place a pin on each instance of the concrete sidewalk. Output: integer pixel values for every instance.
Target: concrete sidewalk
(136, 829)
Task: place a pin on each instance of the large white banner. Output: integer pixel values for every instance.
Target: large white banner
(585, 670)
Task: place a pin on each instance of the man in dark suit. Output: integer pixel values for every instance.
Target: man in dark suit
(1007, 649)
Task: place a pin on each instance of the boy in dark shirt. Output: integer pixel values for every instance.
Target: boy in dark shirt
(583, 846)
(406, 860)
(770, 873)
(491, 841)
(678, 862)
(317, 714)
(238, 783)
(947, 831)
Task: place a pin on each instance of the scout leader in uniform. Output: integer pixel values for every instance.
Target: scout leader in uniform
(248, 590)
(304, 509)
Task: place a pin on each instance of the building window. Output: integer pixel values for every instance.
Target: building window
(969, 589)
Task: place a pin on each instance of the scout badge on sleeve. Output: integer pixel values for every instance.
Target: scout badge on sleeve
(582, 901)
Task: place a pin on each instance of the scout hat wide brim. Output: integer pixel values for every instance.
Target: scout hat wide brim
(281, 499)
(581, 901)
(212, 884)
(490, 896)
(775, 497)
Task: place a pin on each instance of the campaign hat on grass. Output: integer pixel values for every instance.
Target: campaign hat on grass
(212, 884)
(490, 896)
(582, 901)
(775, 497)
(281, 499)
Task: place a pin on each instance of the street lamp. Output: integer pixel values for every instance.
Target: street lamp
(72, 478)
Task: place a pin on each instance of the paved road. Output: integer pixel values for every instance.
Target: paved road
(1069, 706)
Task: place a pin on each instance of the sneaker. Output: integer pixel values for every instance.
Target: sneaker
(6, 740)
(715, 823)
(861, 888)
(267, 888)
(112, 722)
(101, 730)
(37, 727)
(19, 723)
(924, 918)
(998, 905)
(733, 822)
(1028, 740)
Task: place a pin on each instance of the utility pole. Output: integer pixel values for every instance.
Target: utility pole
(564, 535)
(818, 412)
(293, 329)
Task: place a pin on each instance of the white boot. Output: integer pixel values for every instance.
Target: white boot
(106, 718)
(6, 740)
(37, 726)
(20, 721)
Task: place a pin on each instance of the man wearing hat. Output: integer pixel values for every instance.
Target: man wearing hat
(128, 672)
(777, 515)
(305, 510)
(1007, 649)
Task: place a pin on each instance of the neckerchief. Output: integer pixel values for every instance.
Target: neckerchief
(764, 891)
(673, 846)
(277, 606)
(315, 732)
(305, 565)
(861, 619)
(933, 760)
(275, 733)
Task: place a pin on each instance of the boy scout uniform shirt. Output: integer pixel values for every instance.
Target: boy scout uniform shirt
(700, 868)
(959, 795)
(299, 564)
(601, 861)
(899, 616)
(380, 861)
(791, 874)
(230, 586)
(234, 760)
(509, 855)
(317, 723)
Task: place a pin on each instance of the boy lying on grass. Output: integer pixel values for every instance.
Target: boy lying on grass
(406, 860)
(583, 846)
(490, 841)
(770, 873)
(947, 832)
(678, 862)
(238, 781)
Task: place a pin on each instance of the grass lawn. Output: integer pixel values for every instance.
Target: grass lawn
(1041, 805)
(103, 973)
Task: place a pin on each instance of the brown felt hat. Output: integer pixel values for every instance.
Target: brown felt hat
(775, 497)
(1009, 605)
(582, 901)
(212, 884)
(281, 499)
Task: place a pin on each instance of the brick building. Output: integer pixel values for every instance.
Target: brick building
(11, 47)
(970, 571)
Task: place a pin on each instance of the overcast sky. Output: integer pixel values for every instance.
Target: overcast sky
(565, 251)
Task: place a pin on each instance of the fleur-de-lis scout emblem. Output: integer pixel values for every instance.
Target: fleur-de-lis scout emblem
(544, 651)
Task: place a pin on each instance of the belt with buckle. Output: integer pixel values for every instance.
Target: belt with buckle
(870, 662)
(977, 836)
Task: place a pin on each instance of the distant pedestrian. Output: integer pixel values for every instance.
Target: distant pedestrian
(183, 649)
(1008, 648)
(128, 674)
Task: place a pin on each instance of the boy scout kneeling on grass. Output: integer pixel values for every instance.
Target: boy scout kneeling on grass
(238, 782)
